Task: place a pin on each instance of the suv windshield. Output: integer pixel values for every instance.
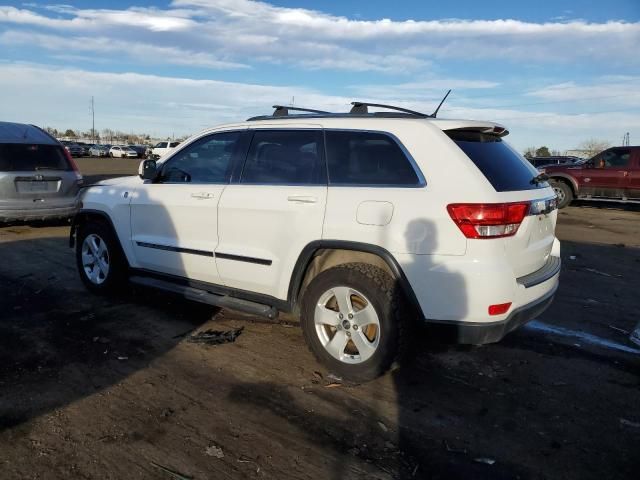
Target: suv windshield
(16, 157)
(502, 166)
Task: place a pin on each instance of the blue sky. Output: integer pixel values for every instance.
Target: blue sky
(556, 73)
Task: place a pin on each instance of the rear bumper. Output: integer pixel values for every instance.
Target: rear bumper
(66, 211)
(479, 333)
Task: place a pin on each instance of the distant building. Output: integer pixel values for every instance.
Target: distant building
(577, 153)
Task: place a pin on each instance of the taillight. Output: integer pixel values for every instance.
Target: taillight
(74, 166)
(488, 220)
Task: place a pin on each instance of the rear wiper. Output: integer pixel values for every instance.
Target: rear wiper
(543, 177)
(49, 168)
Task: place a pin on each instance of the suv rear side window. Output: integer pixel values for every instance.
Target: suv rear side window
(502, 166)
(15, 157)
(285, 157)
(367, 159)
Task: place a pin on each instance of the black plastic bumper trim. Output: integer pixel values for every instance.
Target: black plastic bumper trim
(479, 333)
(548, 270)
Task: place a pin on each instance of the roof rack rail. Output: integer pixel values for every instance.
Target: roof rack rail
(360, 108)
(283, 110)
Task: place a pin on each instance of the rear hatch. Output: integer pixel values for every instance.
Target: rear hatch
(528, 200)
(36, 176)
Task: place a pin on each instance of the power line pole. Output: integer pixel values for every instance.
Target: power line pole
(93, 122)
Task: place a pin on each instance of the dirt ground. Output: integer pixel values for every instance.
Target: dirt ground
(94, 388)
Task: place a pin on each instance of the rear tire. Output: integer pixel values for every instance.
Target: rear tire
(563, 192)
(101, 263)
(352, 321)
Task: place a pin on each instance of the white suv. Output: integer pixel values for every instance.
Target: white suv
(359, 223)
(162, 148)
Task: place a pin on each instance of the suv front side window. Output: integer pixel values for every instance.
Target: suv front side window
(285, 157)
(613, 159)
(207, 160)
(368, 159)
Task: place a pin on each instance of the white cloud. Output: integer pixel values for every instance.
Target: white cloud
(167, 105)
(136, 102)
(622, 90)
(103, 45)
(241, 31)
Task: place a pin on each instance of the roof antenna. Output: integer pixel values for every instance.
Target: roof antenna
(435, 114)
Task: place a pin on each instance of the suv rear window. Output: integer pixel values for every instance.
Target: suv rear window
(367, 158)
(502, 166)
(16, 157)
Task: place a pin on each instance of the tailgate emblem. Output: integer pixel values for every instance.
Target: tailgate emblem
(39, 178)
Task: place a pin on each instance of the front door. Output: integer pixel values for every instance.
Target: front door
(174, 220)
(275, 209)
(609, 174)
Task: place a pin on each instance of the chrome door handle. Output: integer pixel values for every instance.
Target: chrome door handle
(202, 195)
(302, 199)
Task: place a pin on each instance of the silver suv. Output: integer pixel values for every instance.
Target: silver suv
(38, 178)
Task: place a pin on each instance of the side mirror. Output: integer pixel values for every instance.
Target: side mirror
(148, 169)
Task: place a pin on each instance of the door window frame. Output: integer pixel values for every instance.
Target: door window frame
(322, 182)
(236, 157)
(421, 183)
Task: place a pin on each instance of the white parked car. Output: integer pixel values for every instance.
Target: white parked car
(122, 151)
(162, 148)
(360, 223)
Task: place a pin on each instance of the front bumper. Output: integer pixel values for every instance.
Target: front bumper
(38, 213)
(480, 333)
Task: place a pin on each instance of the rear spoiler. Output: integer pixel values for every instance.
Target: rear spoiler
(494, 129)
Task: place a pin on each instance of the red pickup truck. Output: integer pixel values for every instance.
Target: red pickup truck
(613, 174)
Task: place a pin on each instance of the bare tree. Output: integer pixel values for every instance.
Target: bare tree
(52, 131)
(530, 152)
(594, 146)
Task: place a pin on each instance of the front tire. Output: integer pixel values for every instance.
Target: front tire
(99, 258)
(563, 192)
(353, 322)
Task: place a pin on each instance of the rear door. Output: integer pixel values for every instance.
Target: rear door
(273, 210)
(633, 188)
(512, 178)
(36, 176)
(174, 221)
(608, 175)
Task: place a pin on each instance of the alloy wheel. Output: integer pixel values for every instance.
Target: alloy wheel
(347, 325)
(95, 259)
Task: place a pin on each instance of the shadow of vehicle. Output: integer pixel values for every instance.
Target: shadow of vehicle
(59, 343)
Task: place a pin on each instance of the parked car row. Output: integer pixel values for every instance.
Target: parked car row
(79, 149)
(554, 160)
